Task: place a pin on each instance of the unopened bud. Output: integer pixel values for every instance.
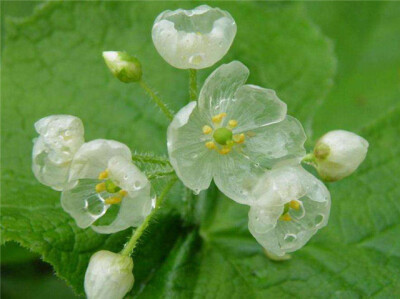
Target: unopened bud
(123, 66)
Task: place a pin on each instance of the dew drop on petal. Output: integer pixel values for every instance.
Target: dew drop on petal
(290, 238)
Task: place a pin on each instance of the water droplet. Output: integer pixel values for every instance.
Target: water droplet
(290, 237)
(318, 220)
(126, 177)
(196, 191)
(137, 185)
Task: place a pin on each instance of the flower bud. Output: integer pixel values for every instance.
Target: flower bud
(338, 153)
(108, 276)
(123, 66)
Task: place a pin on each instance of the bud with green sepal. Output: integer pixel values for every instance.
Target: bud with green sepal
(338, 154)
(123, 66)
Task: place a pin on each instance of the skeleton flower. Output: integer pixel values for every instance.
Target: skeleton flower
(105, 183)
(195, 38)
(108, 276)
(232, 134)
(291, 206)
(60, 136)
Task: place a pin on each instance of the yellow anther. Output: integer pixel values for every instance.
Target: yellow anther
(100, 187)
(103, 175)
(210, 145)
(285, 217)
(113, 200)
(123, 193)
(207, 129)
(225, 150)
(295, 205)
(217, 118)
(239, 138)
(232, 123)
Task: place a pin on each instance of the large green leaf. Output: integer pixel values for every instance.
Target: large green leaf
(52, 64)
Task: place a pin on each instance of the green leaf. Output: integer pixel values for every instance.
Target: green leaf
(52, 64)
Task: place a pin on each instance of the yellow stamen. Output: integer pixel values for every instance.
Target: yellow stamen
(122, 193)
(207, 130)
(295, 205)
(210, 145)
(103, 175)
(239, 138)
(113, 200)
(285, 217)
(217, 118)
(100, 187)
(233, 123)
(225, 150)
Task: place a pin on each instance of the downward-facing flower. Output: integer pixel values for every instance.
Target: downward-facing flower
(232, 134)
(106, 184)
(291, 206)
(338, 154)
(60, 136)
(195, 38)
(108, 276)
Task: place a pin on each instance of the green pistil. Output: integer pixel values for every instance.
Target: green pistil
(111, 187)
(222, 136)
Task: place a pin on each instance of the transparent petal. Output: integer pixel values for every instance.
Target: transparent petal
(188, 155)
(195, 38)
(92, 158)
(220, 87)
(277, 144)
(255, 107)
(288, 184)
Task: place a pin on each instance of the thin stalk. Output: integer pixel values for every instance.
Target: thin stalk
(157, 100)
(133, 241)
(193, 84)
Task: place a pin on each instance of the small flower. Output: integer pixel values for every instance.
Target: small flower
(291, 206)
(232, 134)
(108, 276)
(123, 66)
(338, 154)
(195, 38)
(60, 136)
(106, 183)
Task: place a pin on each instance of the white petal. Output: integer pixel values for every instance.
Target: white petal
(255, 107)
(280, 143)
(346, 152)
(195, 38)
(220, 87)
(287, 184)
(60, 137)
(92, 158)
(188, 155)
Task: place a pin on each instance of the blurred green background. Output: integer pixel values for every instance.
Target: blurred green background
(367, 68)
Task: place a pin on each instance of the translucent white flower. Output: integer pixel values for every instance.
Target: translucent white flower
(338, 154)
(108, 276)
(195, 38)
(232, 135)
(291, 206)
(106, 184)
(60, 136)
(123, 66)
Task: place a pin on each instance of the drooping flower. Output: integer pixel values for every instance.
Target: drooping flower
(60, 136)
(108, 276)
(123, 66)
(338, 154)
(232, 134)
(291, 206)
(195, 38)
(105, 183)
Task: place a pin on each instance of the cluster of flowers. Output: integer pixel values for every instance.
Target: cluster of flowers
(237, 134)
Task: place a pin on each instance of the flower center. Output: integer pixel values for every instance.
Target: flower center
(107, 185)
(293, 204)
(223, 139)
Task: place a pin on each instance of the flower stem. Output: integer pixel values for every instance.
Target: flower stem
(309, 159)
(146, 158)
(133, 241)
(193, 84)
(157, 100)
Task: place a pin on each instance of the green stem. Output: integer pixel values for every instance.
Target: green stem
(193, 84)
(160, 174)
(150, 159)
(309, 159)
(157, 100)
(131, 244)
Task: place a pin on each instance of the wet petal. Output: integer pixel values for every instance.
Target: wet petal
(220, 87)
